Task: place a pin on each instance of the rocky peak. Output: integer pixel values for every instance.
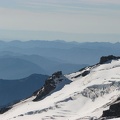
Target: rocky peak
(50, 84)
(57, 74)
(104, 59)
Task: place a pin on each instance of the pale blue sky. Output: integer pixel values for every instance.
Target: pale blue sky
(71, 20)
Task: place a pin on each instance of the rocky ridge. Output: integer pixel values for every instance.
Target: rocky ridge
(92, 93)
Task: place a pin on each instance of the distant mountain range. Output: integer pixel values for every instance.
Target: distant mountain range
(16, 67)
(46, 57)
(70, 52)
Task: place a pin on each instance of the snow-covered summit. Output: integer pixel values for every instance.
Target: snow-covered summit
(82, 95)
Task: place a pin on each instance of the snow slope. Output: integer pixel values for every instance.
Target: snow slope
(90, 91)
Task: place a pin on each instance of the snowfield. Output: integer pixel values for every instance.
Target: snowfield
(90, 91)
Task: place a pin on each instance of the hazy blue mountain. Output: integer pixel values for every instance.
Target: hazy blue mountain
(71, 52)
(38, 43)
(51, 66)
(14, 68)
(67, 68)
(13, 90)
(76, 55)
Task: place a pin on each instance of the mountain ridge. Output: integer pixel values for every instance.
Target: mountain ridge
(91, 94)
(76, 53)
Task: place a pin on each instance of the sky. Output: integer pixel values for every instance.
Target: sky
(70, 20)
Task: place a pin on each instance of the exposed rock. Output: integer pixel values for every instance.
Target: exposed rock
(113, 112)
(77, 76)
(85, 73)
(50, 84)
(47, 88)
(5, 109)
(57, 74)
(105, 59)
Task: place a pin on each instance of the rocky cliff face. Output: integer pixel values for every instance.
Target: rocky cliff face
(50, 84)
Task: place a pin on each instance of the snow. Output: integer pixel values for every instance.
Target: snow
(116, 119)
(74, 100)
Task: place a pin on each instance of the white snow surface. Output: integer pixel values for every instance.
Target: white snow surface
(84, 98)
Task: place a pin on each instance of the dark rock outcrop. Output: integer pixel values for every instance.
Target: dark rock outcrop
(50, 84)
(85, 73)
(4, 109)
(105, 59)
(57, 74)
(113, 112)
